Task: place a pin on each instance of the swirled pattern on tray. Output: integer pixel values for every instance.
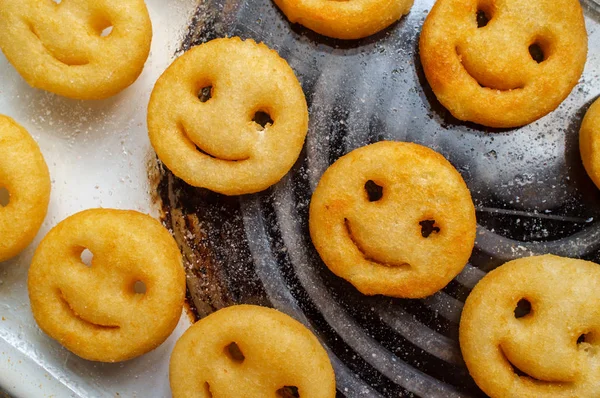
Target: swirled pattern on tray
(531, 193)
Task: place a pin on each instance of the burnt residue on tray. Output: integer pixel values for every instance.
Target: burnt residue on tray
(204, 224)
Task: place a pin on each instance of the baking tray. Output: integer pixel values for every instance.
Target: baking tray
(528, 184)
(530, 189)
(97, 153)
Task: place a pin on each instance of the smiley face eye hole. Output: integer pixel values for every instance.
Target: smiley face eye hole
(139, 287)
(205, 93)
(374, 191)
(234, 353)
(485, 13)
(87, 257)
(4, 197)
(537, 53)
(288, 392)
(101, 25)
(263, 119)
(523, 308)
(482, 19)
(428, 227)
(588, 338)
(106, 31)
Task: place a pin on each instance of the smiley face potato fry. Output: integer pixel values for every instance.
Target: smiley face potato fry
(24, 174)
(348, 20)
(94, 311)
(589, 142)
(393, 218)
(215, 142)
(503, 63)
(248, 351)
(61, 47)
(553, 345)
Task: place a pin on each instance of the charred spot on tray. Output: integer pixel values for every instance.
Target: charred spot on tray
(428, 227)
(374, 191)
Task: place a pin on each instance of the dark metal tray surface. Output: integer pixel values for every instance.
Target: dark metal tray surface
(530, 189)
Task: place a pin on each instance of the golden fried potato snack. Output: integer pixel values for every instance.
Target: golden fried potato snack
(25, 181)
(219, 142)
(393, 218)
(503, 63)
(343, 19)
(589, 142)
(66, 49)
(531, 329)
(95, 311)
(250, 351)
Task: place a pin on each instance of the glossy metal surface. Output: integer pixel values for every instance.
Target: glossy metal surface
(530, 189)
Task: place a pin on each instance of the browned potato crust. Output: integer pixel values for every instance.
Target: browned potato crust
(60, 47)
(94, 311)
(248, 351)
(393, 218)
(216, 144)
(24, 174)
(554, 345)
(510, 72)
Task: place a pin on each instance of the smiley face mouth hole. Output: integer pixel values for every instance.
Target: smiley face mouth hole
(521, 373)
(203, 151)
(366, 256)
(207, 389)
(63, 299)
(460, 58)
(67, 60)
(515, 369)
